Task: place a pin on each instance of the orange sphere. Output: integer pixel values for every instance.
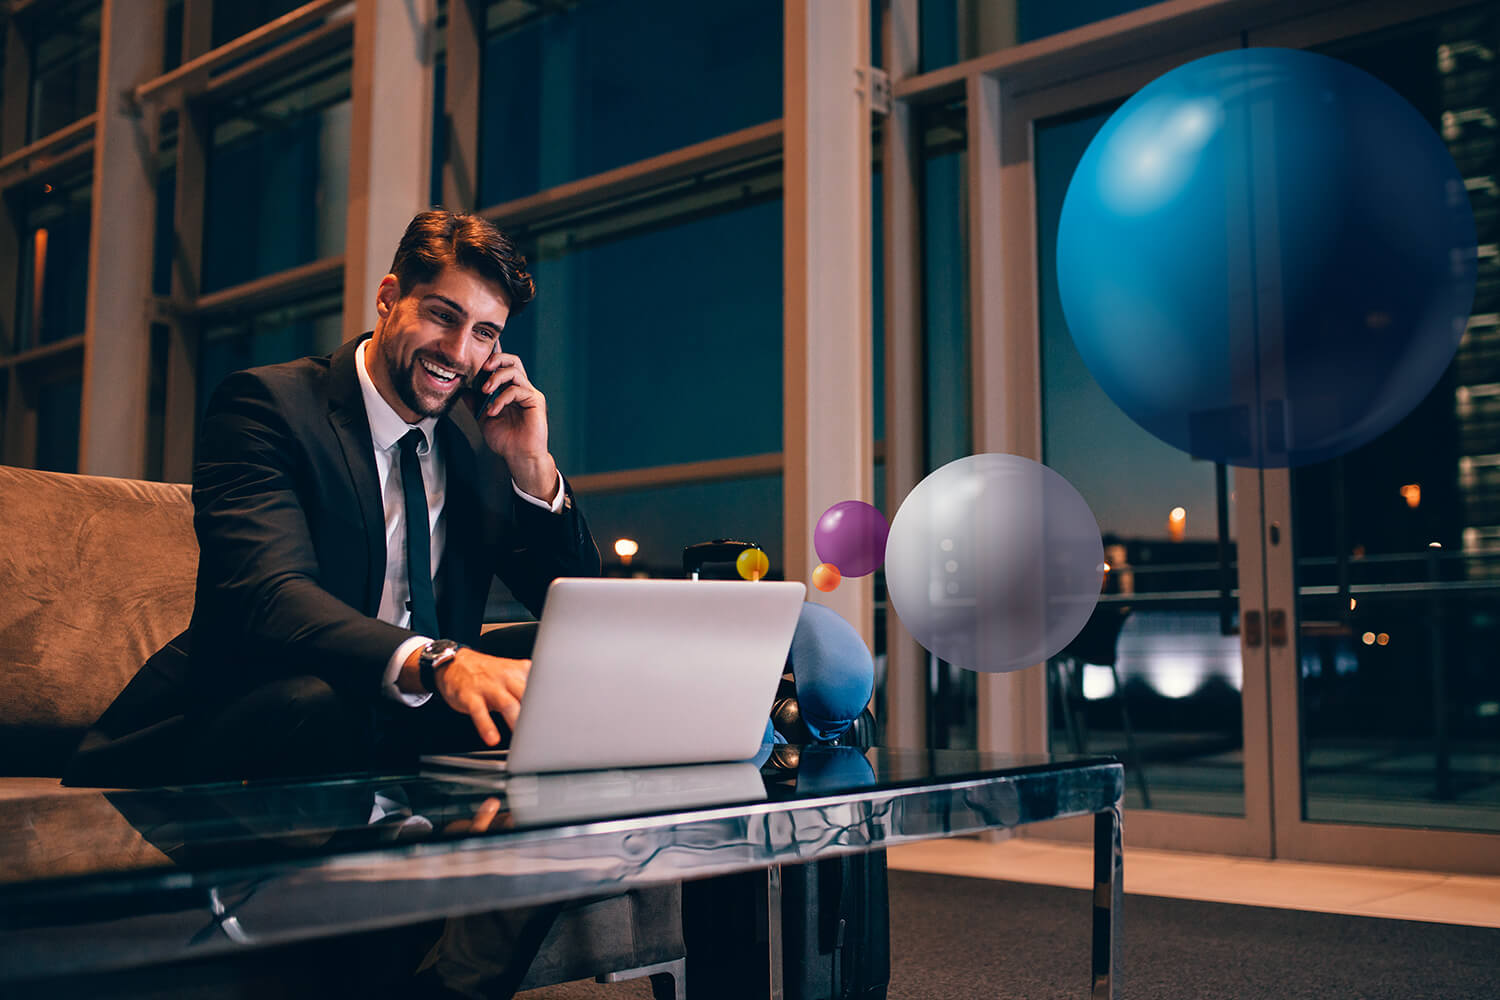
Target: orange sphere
(826, 577)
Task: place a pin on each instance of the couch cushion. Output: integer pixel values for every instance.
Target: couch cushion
(97, 575)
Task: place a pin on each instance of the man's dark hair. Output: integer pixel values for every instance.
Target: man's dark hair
(438, 238)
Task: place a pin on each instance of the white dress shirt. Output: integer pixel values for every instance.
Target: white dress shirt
(386, 431)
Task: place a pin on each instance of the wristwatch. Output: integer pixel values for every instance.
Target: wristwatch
(438, 653)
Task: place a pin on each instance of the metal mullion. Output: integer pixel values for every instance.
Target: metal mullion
(50, 142)
(297, 282)
(679, 474)
(316, 44)
(461, 97)
(905, 710)
(1005, 366)
(179, 424)
(634, 178)
(117, 351)
(191, 76)
(1107, 44)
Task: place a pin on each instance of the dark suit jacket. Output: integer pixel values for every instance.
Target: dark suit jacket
(291, 538)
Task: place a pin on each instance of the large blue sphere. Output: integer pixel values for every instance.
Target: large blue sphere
(1266, 257)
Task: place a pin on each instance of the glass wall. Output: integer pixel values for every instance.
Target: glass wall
(58, 401)
(1156, 675)
(278, 175)
(54, 261)
(571, 90)
(952, 692)
(955, 30)
(1398, 543)
(267, 337)
(64, 67)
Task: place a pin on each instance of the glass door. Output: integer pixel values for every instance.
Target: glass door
(1163, 675)
(1386, 696)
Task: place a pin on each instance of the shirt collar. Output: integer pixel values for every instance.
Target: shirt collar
(386, 426)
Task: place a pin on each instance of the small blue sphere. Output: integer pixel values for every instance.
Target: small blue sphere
(1266, 257)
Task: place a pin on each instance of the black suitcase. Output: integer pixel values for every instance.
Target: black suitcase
(835, 932)
(835, 913)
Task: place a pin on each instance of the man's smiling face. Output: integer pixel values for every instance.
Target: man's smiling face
(431, 340)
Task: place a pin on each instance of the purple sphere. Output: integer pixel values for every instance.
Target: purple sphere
(851, 535)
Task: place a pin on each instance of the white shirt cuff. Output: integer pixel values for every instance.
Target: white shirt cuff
(393, 671)
(555, 506)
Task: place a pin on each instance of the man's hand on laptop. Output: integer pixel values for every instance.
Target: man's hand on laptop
(476, 685)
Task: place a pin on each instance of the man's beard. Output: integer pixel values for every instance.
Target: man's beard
(404, 380)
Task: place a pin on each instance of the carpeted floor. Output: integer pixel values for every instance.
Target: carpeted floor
(968, 938)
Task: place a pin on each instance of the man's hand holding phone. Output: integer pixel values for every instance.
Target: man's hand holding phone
(512, 415)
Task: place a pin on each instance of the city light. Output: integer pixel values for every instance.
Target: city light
(1353, 604)
(626, 548)
(1177, 524)
(1412, 492)
(1383, 639)
(1368, 638)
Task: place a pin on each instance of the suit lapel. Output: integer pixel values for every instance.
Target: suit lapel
(346, 413)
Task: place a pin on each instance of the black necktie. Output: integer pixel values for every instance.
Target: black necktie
(423, 602)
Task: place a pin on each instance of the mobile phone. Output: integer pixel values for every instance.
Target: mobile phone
(483, 400)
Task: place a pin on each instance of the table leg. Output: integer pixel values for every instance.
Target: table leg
(1109, 891)
(772, 922)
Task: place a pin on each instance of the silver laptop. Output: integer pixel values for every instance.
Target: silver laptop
(636, 673)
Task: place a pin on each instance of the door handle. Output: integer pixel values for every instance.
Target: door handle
(1277, 622)
(1252, 629)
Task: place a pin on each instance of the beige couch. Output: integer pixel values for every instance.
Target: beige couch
(96, 574)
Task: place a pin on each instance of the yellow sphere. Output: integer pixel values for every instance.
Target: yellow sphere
(752, 564)
(826, 577)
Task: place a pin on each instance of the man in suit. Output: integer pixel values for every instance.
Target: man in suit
(350, 513)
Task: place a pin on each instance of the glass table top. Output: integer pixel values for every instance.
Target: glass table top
(111, 877)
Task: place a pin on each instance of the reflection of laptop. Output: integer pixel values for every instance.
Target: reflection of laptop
(633, 673)
(534, 799)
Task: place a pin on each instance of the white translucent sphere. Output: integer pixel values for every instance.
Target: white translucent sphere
(994, 562)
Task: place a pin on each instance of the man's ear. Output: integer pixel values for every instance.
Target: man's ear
(386, 295)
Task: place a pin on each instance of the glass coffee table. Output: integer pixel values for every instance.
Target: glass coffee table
(97, 881)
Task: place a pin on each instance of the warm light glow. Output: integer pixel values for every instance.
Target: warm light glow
(38, 284)
(1434, 545)
(1413, 494)
(1178, 514)
(1177, 524)
(1353, 604)
(1368, 638)
(626, 548)
(1383, 639)
(46, 189)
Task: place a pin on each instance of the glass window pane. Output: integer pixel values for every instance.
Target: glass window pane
(64, 67)
(944, 281)
(632, 383)
(663, 520)
(57, 424)
(952, 699)
(278, 167)
(313, 327)
(573, 90)
(54, 264)
(955, 30)
(1156, 675)
(232, 20)
(1400, 699)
